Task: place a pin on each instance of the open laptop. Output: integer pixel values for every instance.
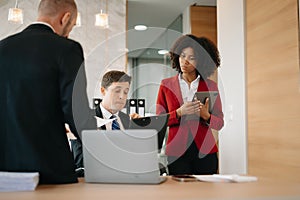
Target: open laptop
(117, 156)
(157, 122)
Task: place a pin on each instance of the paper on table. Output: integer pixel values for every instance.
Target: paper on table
(18, 181)
(101, 121)
(225, 178)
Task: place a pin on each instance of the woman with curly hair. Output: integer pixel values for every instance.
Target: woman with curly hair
(191, 147)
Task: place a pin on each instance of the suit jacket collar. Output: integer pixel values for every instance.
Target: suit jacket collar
(123, 116)
(99, 114)
(40, 27)
(45, 23)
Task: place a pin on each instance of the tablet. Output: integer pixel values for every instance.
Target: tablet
(157, 122)
(202, 96)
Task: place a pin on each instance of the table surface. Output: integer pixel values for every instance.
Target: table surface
(264, 188)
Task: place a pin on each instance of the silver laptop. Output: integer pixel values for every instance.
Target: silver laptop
(121, 156)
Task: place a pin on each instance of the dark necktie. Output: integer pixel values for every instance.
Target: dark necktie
(115, 125)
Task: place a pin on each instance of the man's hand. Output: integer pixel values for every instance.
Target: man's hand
(134, 115)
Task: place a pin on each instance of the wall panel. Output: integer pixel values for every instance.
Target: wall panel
(204, 21)
(273, 88)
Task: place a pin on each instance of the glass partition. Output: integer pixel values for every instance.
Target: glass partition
(147, 64)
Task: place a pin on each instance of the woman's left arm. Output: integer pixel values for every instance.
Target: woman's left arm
(216, 120)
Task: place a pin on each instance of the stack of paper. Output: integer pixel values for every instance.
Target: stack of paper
(225, 178)
(101, 121)
(18, 181)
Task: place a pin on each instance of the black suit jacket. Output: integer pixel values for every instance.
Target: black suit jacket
(37, 77)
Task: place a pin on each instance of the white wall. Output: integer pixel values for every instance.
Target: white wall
(186, 21)
(232, 84)
(105, 49)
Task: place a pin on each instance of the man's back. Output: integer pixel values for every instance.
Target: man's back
(37, 72)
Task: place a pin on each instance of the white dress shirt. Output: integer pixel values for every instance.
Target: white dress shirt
(106, 115)
(187, 91)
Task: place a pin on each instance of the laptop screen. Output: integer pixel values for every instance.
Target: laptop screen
(157, 122)
(121, 156)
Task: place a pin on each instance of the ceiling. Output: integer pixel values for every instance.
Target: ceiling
(157, 15)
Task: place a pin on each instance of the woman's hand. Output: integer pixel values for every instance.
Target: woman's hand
(188, 108)
(204, 110)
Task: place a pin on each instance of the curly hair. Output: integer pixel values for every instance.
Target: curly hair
(206, 54)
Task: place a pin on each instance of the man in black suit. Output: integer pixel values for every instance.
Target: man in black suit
(38, 68)
(114, 89)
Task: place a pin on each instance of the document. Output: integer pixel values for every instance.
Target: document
(225, 178)
(18, 181)
(101, 121)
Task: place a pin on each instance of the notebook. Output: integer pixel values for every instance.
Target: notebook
(157, 122)
(121, 156)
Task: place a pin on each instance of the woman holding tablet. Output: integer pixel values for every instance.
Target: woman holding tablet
(191, 147)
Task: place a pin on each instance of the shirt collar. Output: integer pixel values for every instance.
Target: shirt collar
(182, 80)
(106, 114)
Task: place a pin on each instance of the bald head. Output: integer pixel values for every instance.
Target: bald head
(60, 14)
(51, 8)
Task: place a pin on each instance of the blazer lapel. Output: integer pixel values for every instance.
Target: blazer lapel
(125, 119)
(100, 115)
(203, 85)
(176, 89)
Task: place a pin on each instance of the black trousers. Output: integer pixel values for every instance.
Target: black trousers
(76, 146)
(193, 162)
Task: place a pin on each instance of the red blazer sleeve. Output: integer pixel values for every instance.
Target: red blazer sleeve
(169, 99)
(217, 117)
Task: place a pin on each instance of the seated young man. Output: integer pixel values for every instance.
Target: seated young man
(114, 89)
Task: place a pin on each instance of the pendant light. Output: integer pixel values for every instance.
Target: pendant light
(15, 15)
(101, 19)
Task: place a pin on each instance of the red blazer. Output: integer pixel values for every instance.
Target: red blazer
(169, 99)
